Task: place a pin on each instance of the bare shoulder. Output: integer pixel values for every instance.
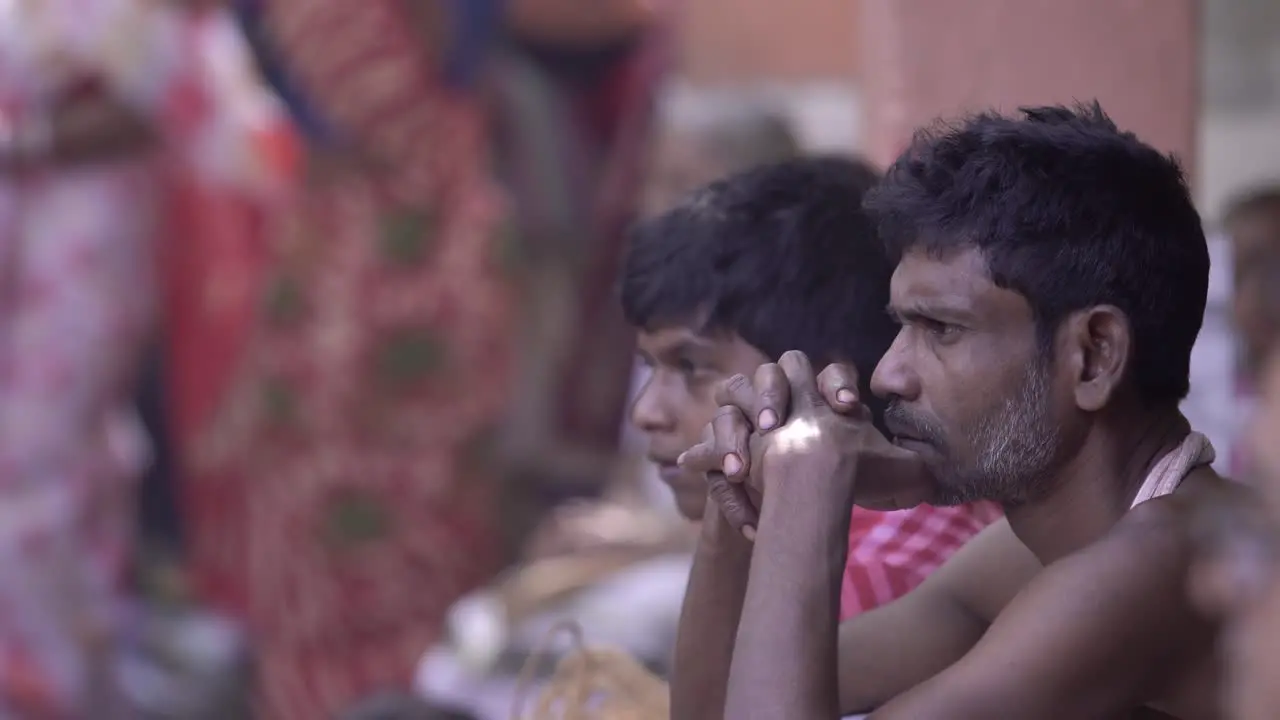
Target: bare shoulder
(1098, 633)
(1149, 551)
(1126, 600)
(1164, 531)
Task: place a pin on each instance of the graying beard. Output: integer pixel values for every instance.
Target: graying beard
(1015, 446)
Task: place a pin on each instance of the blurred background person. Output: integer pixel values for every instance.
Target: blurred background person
(1237, 575)
(575, 86)
(226, 170)
(356, 440)
(1239, 572)
(1252, 226)
(351, 510)
(231, 170)
(82, 90)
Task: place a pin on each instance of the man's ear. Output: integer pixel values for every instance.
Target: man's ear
(1098, 343)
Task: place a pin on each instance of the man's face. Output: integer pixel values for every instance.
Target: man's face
(677, 400)
(1255, 244)
(967, 385)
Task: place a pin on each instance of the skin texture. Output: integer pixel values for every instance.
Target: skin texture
(1072, 607)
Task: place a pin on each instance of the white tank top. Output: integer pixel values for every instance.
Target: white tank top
(1194, 451)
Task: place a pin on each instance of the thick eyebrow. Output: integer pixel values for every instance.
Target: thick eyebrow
(694, 346)
(691, 346)
(936, 313)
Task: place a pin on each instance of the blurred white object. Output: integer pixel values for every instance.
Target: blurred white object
(637, 609)
(478, 626)
(187, 666)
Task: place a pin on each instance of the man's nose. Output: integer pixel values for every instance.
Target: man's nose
(649, 412)
(894, 375)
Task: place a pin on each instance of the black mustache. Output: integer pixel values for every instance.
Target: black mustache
(903, 423)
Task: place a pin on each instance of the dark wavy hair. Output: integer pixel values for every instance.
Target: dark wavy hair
(781, 255)
(1070, 212)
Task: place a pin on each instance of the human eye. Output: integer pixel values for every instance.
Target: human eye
(689, 367)
(696, 372)
(941, 331)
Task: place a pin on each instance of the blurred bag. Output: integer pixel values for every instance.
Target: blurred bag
(593, 683)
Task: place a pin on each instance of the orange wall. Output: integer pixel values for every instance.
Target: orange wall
(739, 41)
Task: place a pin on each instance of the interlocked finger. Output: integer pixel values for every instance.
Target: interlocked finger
(800, 378)
(838, 386)
(773, 397)
(738, 392)
(731, 433)
(703, 457)
(734, 504)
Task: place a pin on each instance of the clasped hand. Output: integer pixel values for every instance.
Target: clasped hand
(787, 426)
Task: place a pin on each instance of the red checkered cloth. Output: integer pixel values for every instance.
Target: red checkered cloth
(890, 553)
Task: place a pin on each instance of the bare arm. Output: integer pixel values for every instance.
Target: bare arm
(886, 652)
(709, 620)
(1066, 648)
(788, 641)
(784, 665)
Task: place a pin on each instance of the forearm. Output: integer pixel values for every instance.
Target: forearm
(709, 620)
(784, 665)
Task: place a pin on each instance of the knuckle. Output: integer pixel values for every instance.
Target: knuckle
(726, 416)
(768, 372)
(769, 396)
(721, 492)
(733, 513)
(830, 375)
(794, 358)
(727, 391)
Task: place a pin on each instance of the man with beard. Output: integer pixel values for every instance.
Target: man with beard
(1051, 281)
